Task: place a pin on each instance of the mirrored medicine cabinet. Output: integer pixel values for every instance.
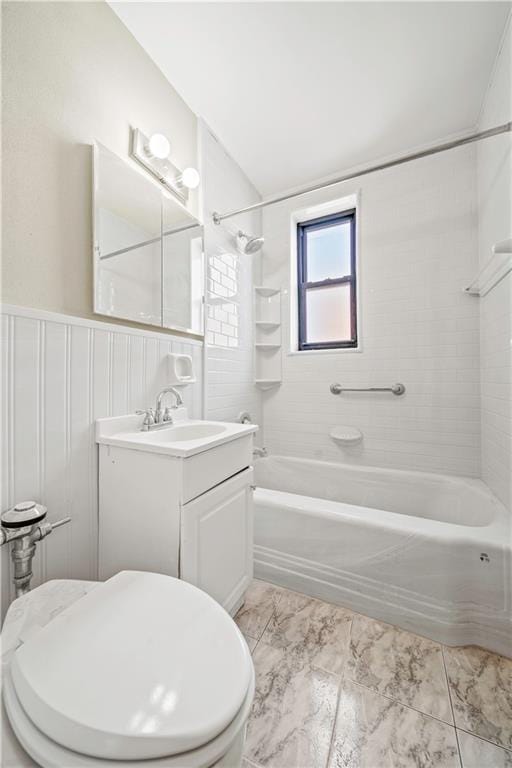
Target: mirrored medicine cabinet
(148, 249)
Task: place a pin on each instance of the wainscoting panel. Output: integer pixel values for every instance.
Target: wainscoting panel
(59, 374)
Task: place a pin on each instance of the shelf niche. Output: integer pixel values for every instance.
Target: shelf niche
(267, 336)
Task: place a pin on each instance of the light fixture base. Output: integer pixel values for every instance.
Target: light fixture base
(163, 170)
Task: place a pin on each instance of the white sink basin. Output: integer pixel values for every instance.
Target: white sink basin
(177, 434)
(184, 438)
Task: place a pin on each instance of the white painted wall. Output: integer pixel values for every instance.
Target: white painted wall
(229, 329)
(494, 163)
(59, 374)
(417, 235)
(71, 74)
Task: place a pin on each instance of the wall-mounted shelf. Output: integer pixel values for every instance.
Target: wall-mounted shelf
(267, 347)
(493, 272)
(267, 336)
(267, 383)
(262, 290)
(267, 325)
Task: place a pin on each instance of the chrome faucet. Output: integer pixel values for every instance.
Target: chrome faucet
(165, 416)
(160, 417)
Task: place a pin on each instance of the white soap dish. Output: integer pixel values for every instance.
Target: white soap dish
(180, 370)
(346, 435)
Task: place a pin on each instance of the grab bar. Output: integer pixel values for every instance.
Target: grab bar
(396, 389)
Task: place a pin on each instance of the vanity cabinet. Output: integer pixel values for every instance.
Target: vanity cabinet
(186, 517)
(217, 539)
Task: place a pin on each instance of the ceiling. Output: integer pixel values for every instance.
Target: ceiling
(301, 90)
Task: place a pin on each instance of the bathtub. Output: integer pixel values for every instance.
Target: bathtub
(429, 553)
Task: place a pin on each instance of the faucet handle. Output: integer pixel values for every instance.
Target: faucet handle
(149, 416)
(168, 414)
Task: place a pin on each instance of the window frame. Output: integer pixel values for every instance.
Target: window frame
(303, 285)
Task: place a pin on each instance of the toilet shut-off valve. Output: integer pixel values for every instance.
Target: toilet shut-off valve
(24, 526)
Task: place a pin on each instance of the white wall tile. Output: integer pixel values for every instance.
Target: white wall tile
(230, 354)
(494, 162)
(418, 230)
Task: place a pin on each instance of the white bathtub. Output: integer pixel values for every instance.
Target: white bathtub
(430, 553)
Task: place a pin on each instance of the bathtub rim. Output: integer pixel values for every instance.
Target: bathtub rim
(491, 534)
(495, 530)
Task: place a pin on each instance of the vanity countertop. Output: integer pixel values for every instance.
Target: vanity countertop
(181, 439)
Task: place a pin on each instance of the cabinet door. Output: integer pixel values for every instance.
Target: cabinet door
(217, 540)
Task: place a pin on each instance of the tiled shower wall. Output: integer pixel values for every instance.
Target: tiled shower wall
(495, 224)
(230, 385)
(59, 374)
(418, 249)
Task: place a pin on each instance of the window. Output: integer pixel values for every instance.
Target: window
(326, 272)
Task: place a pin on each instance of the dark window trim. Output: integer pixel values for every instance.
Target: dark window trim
(303, 284)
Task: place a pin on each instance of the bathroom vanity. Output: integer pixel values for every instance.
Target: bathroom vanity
(178, 501)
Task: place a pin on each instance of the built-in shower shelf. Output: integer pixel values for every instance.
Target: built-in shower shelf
(267, 324)
(263, 290)
(268, 347)
(267, 383)
(267, 336)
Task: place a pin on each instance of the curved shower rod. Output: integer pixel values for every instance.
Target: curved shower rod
(505, 128)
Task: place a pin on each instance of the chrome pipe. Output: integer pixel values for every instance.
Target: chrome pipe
(24, 526)
(505, 128)
(396, 389)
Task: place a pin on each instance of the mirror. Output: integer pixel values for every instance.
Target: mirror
(148, 249)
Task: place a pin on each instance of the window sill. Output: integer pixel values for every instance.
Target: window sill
(340, 351)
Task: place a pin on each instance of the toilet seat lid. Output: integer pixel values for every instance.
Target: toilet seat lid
(144, 666)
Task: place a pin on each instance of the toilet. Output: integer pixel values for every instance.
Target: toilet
(143, 670)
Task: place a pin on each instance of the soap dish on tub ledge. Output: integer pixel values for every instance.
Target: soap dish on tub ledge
(346, 435)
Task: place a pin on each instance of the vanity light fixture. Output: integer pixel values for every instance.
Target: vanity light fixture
(158, 146)
(153, 154)
(189, 178)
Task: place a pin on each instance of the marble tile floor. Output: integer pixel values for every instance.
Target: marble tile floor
(335, 689)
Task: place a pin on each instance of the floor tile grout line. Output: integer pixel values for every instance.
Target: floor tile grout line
(338, 698)
(265, 627)
(482, 738)
(447, 679)
(256, 765)
(281, 589)
(392, 698)
(401, 703)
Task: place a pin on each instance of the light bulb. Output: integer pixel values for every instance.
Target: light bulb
(190, 178)
(158, 146)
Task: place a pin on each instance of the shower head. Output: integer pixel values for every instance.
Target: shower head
(248, 244)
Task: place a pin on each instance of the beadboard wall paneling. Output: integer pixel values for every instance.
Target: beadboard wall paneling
(59, 374)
